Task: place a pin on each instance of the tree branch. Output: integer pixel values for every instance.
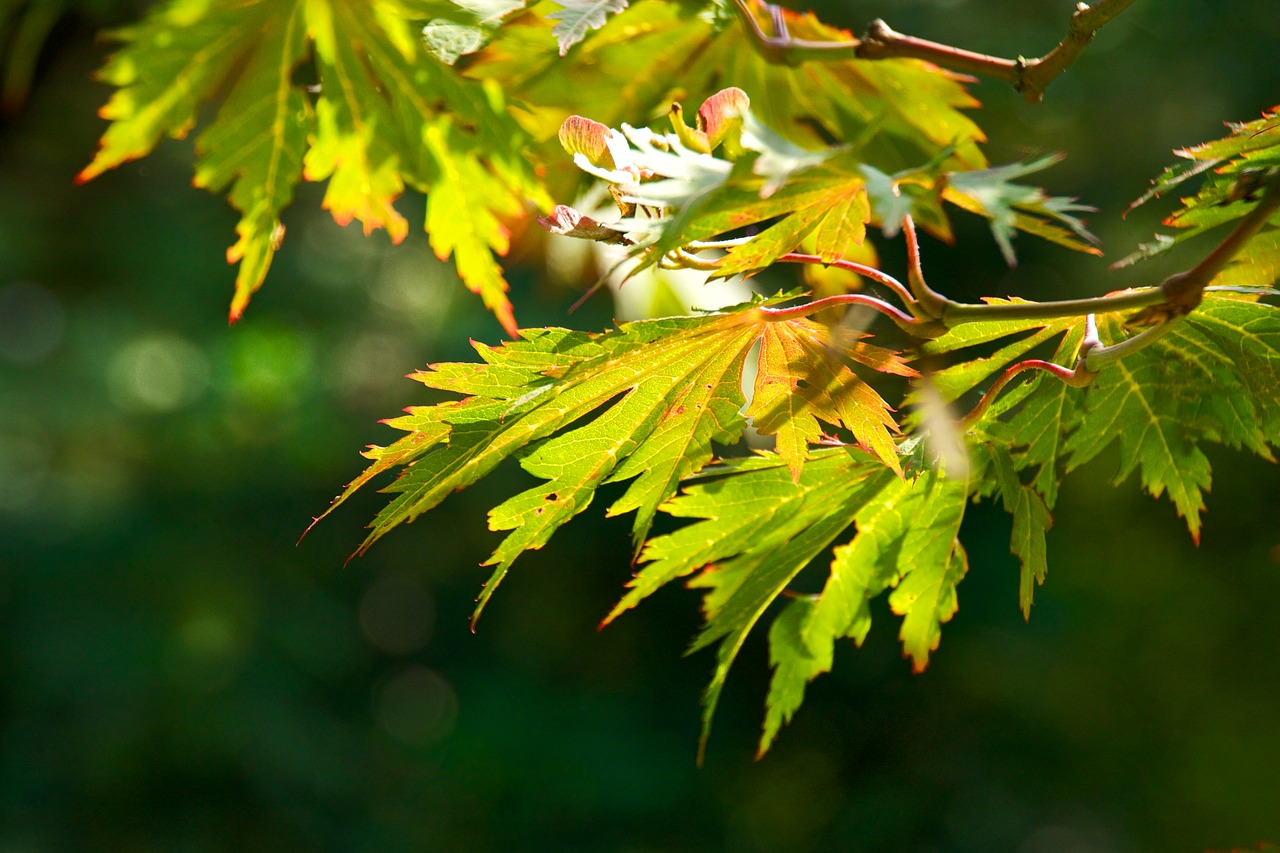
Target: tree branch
(1028, 76)
(1084, 25)
(948, 312)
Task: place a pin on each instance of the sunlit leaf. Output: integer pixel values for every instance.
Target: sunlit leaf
(655, 394)
(378, 121)
(1233, 169)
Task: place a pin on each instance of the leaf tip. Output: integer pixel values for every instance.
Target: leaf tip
(506, 316)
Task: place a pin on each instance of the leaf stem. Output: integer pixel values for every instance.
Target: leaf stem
(912, 325)
(878, 276)
(951, 313)
(932, 302)
(1077, 378)
(1097, 357)
(958, 313)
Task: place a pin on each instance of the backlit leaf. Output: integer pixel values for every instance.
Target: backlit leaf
(378, 121)
(1233, 169)
(655, 395)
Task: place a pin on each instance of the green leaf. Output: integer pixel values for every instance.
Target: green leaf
(1031, 415)
(642, 404)
(835, 211)
(379, 122)
(668, 50)
(1014, 207)
(1017, 338)
(926, 598)
(1031, 520)
(179, 57)
(1232, 168)
(1214, 377)
(760, 527)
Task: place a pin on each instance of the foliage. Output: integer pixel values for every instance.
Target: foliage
(784, 163)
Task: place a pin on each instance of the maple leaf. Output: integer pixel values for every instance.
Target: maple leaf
(800, 381)
(905, 540)
(1011, 207)
(378, 122)
(758, 527)
(655, 395)
(1233, 169)
(1215, 377)
(1031, 520)
(677, 192)
(664, 51)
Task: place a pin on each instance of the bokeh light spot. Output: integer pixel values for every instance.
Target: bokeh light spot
(25, 452)
(271, 366)
(206, 651)
(159, 372)
(417, 706)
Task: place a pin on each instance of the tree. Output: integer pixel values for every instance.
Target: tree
(803, 138)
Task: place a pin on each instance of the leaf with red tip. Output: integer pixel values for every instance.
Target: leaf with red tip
(361, 128)
(720, 116)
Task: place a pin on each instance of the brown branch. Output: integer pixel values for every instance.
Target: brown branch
(1028, 76)
(883, 42)
(1084, 25)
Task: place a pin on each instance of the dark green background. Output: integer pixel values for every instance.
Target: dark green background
(178, 674)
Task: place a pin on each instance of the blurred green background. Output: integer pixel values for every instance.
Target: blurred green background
(179, 674)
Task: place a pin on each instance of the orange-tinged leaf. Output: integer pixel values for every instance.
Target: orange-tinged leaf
(463, 211)
(802, 380)
(592, 140)
(641, 404)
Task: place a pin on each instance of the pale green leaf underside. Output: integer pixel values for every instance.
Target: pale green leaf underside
(578, 17)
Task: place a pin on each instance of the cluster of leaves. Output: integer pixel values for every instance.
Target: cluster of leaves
(334, 90)
(1234, 169)
(679, 190)
(462, 101)
(664, 390)
(469, 103)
